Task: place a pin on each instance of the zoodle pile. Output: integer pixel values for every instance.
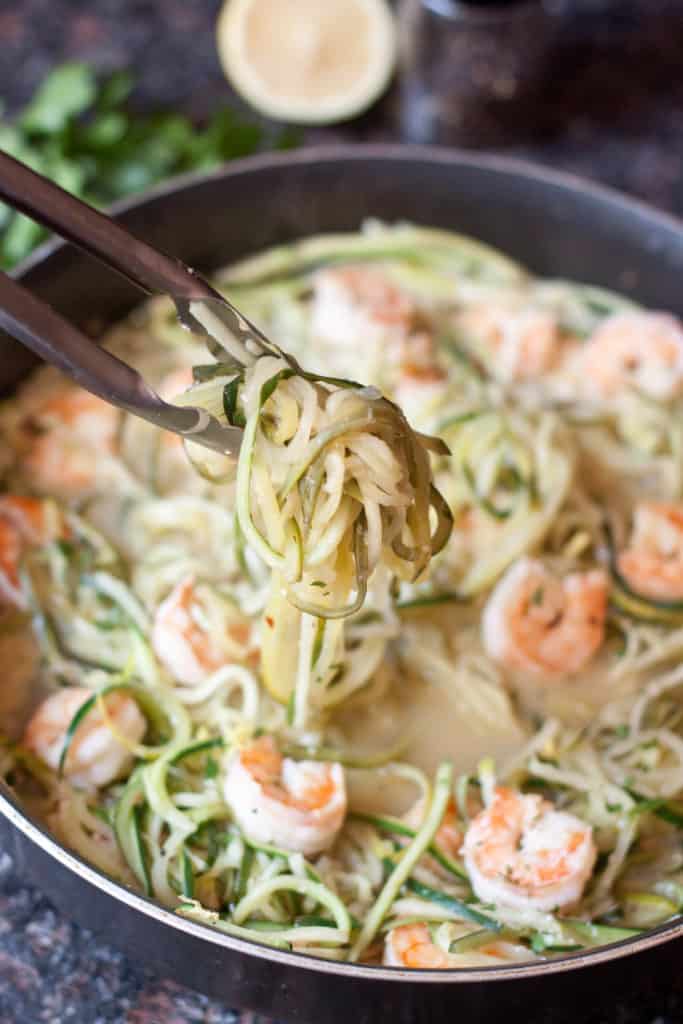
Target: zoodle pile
(404, 683)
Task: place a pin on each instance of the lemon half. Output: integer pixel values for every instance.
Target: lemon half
(308, 61)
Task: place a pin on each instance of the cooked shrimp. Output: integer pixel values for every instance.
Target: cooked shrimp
(653, 562)
(298, 805)
(411, 945)
(359, 303)
(360, 314)
(83, 414)
(521, 343)
(522, 852)
(639, 350)
(66, 437)
(187, 646)
(534, 622)
(23, 522)
(96, 755)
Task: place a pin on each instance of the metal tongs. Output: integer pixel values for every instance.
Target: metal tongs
(229, 334)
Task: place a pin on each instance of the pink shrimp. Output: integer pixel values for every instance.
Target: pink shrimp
(24, 522)
(522, 852)
(184, 646)
(521, 344)
(652, 564)
(298, 805)
(534, 622)
(96, 755)
(411, 946)
(359, 312)
(65, 438)
(640, 350)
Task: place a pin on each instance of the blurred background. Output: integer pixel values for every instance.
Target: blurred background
(590, 86)
(112, 96)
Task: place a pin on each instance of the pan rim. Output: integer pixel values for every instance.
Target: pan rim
(379, 152)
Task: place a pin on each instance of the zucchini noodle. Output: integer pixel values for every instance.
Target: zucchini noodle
(331, 484)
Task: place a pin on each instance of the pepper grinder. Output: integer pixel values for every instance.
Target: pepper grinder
(471, 70)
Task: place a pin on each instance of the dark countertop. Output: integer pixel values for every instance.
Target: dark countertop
(611, 108)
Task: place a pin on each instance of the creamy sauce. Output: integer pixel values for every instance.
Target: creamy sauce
(425, 718)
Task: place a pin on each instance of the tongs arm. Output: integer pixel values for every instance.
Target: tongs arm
(43, 330)
(61, 212)
(200, 307)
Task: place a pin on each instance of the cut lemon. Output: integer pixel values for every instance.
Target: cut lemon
(308, 61)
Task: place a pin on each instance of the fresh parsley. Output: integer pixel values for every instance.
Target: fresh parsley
(80, 130)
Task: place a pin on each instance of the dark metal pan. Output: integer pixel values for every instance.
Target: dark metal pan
(557, 226)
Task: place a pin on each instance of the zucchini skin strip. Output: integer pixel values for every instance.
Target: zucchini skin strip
(450, 903)
(396, 827)
(127, 828)
(411, 855)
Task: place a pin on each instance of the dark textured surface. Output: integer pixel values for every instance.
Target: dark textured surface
(611, 108)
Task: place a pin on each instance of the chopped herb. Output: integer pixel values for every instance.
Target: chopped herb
(66, 548)
(211, 768)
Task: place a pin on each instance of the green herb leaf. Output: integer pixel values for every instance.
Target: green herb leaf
(115, 90)
(79, 133)
(67, 91)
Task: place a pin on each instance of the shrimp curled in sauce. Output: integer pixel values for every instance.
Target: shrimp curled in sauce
(298, 805)
(652, 564)
(534, 622)
(521, 344)
(24, 522)
(69, 442)
(521, 852)
(411, 946)
(96, 756)
(639, 350)
(188, 650)
(364, 319)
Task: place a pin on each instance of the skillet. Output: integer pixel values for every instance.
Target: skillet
(555, 225)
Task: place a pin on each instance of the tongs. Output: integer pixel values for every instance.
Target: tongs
(229, 335)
